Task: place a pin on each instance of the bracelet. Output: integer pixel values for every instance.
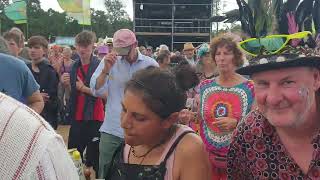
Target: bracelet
(106, 73)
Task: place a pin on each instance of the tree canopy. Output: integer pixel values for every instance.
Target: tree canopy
(52, 23)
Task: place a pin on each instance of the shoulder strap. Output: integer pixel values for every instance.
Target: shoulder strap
(174, 145)
(116, 158)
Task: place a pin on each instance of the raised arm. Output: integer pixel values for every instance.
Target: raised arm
(99, 79)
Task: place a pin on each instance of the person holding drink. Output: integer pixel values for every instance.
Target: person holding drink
(64, 91)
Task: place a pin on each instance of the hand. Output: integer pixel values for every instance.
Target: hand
(196, 102)
(65, 79)
(45, 97)
(226, 124)
(79, 84)
(109, 61)
(185, 116)
(57, 64)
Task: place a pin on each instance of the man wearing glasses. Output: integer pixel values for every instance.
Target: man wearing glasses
(149, 51)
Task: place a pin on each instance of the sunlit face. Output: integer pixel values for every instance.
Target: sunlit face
(224, 59)
(13, 47)
(286, 96)
(84, 51)
(140, 124)
(36, 52)
(189, 53)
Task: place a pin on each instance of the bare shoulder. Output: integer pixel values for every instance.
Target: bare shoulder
(191, 159)
(190, 144)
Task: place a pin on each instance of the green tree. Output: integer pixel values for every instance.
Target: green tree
(99, 22)
(117, 16)
(115, 10)
(52, 23)
(3, 3)
(5, 22)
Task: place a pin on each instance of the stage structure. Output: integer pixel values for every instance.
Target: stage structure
(172, 22)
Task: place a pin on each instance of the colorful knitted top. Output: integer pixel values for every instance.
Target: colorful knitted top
(217, 101)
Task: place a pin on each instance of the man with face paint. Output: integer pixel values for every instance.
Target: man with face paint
(110, 77)
(280, 139)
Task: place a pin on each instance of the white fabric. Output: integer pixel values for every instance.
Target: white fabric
(29, 147)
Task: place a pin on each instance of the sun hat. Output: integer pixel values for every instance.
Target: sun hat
(109, 41)
(188, 46)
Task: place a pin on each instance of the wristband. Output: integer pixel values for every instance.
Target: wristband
(104, 72)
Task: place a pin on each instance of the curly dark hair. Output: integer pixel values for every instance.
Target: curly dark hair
(163, 91)
(219, 42)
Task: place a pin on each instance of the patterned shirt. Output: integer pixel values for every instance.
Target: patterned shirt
(257, 153)
(215, 102)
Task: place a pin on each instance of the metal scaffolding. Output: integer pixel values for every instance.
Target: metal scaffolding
(172, 22)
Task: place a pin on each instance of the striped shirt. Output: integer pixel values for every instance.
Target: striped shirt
(29, 147)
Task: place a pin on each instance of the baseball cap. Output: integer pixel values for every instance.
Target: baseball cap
(103, 49)
(122, 40)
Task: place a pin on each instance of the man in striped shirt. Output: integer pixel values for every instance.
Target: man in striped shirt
(29, 147)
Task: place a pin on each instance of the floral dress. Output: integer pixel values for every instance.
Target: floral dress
(215, 102)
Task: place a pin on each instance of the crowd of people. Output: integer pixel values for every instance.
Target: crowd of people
(138, 113)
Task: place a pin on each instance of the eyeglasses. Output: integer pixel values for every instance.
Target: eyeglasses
(270, 44)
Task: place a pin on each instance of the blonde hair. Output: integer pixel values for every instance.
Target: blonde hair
(67, 49)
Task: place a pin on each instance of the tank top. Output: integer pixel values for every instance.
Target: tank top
(165, 163)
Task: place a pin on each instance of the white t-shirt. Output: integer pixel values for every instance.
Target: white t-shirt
(29, 147)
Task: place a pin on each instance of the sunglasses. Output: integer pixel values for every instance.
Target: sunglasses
(270, 44)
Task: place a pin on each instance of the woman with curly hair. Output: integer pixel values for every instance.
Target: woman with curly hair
(224, 101)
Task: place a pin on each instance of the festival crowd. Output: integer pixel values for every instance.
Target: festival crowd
(139, 113)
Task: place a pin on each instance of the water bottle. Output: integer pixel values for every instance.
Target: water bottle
(78, 163)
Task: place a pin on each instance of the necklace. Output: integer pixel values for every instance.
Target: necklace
(132, 150)
(145, 154)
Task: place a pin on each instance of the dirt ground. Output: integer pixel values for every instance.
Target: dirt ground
(63, 130)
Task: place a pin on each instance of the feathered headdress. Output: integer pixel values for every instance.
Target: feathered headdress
(260, 18)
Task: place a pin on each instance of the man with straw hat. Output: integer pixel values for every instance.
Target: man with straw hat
(280, 139)
(189, 52)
